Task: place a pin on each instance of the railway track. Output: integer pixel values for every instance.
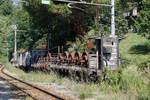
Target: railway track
(36, 92)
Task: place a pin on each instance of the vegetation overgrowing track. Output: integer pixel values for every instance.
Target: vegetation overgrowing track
(36, 92)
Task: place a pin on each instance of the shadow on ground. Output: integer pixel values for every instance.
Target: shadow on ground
(9, 92)
(140, 49)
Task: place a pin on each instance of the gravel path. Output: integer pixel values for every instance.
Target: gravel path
(6, 93)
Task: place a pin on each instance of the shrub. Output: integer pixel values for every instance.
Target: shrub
(83, 96)
(112, 78)
(125, 62)
(145, 65)
(127, 80)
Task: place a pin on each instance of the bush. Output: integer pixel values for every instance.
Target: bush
(125, 62)
(131, 81)
(112, 78)
(142, 22)
(128, 80)
(145, 65)
(83, 96)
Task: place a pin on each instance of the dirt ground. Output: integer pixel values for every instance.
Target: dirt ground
(8, 92)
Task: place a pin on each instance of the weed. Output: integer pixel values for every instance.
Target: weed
(112, 78)
(126, 46)
(83, 96)
(145, 65)
(125, 62)
(127, 83)
(13, 88)
(28, 98)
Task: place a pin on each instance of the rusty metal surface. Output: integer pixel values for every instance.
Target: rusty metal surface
(106, 53)
(77, 59)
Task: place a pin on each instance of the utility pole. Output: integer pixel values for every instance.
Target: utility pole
(98, 18)
(112, 18)
(48, 38)
(15, 46)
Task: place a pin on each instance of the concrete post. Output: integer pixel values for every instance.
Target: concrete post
(15, 46)
(112, 18)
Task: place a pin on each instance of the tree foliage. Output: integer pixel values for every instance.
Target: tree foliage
(65, 25)
(5, 12)
(142, 22)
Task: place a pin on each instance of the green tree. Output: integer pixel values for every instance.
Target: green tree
(5, 12)
(142, 22)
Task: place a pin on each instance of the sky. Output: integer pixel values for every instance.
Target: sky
(16, 3)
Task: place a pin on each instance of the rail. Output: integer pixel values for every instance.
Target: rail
(41, 92)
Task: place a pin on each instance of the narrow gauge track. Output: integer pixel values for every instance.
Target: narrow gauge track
(35, 92)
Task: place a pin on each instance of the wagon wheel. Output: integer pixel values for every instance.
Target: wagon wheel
(78, 58)
(48, 57)
(71, 58)
(85, 55)
(85, 58)
(37, 58)
(45, 62)
(60, 59)
(42, 60)
(66, 56)
(39, 63)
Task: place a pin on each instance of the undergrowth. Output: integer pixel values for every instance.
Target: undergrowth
(128, 83)
(144, 65)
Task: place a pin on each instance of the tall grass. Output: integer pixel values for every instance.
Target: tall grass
(35, 76)
(128, 83)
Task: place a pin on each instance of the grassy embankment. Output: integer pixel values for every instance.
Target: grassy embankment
(128, 83)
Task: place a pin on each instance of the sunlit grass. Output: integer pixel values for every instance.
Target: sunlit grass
(133, 85)
(131, 41)
(35, 76)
